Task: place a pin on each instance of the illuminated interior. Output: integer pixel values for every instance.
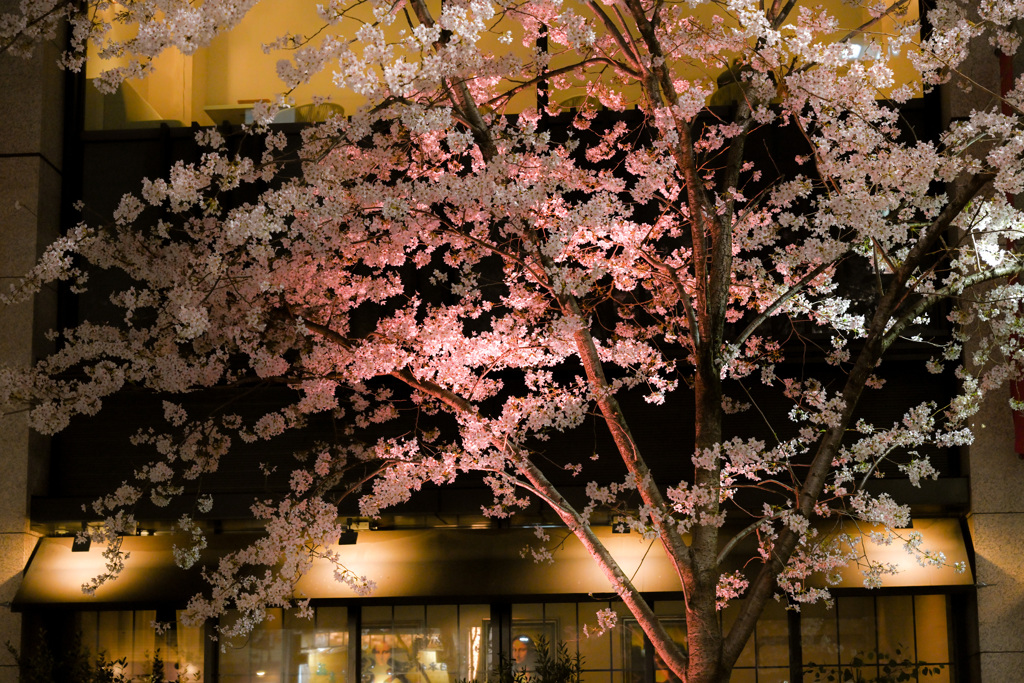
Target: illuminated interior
(223, 81)
(129, 635)
(445, 643)
(220, 83)
(487, 604)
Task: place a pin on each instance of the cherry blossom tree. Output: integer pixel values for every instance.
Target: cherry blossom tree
(511, 273)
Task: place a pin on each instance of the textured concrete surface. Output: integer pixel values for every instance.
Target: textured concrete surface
(31, 149)
(1000, 667)
(992, 460)
(30, 110)
(999, 548)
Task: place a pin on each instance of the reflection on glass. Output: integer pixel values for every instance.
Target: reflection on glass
(289, 649)
(635, 654)
(856, 628)
(176, 652)
(527, 636)
(865, 635)
(818, 634)
(772, 633)
(524, 653)
(423, 644)
(596, 650)
(476, 651)
(323, 658)
(449, 643)
(260, 655)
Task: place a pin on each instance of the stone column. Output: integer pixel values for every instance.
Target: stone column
(996, 517)
(31, 147)
(996, 523)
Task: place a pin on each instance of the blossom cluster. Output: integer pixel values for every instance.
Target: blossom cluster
(449, 283)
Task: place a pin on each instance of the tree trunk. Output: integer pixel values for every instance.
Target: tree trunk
(704, 633)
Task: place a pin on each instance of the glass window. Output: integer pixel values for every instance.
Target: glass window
(932, 636)
(819, 637)
(596, 651)
(564, 615)
(261, 654)
(612, 656)
(868, 636)
(856, 628)
(874, 636)
(289, 649)
(423, 644)
(470, 642)
(765, 657)
(534, 628)
(746, 658)
(176, 650)
(772, 646)
(895, 626)
(388, 644)
(323, 651)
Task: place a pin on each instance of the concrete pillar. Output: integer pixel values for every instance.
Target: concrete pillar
(31, 146)
(996, 524)
(996, 518)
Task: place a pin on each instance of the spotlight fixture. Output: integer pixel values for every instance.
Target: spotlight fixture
(348, 537)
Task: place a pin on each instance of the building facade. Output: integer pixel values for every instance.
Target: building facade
(456, 601)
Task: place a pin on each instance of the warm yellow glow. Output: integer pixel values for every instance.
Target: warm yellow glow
(56, 575)
(441, 562)
(65, 573)
(471, 561)
(223, 80)
(938, 536)
(475, 638)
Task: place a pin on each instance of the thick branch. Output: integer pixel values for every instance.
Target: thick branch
(785, 545)
(734, 159)
(573, 520)
(466, 105)
(616, 422)
(929, 300)
(780, 12)
(624, 588)
(612, 28)
(778, 303)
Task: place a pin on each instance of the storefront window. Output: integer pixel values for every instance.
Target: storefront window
(289, 649)
(868, 636)
(174, 650)
(860, 636)
(423, 643)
